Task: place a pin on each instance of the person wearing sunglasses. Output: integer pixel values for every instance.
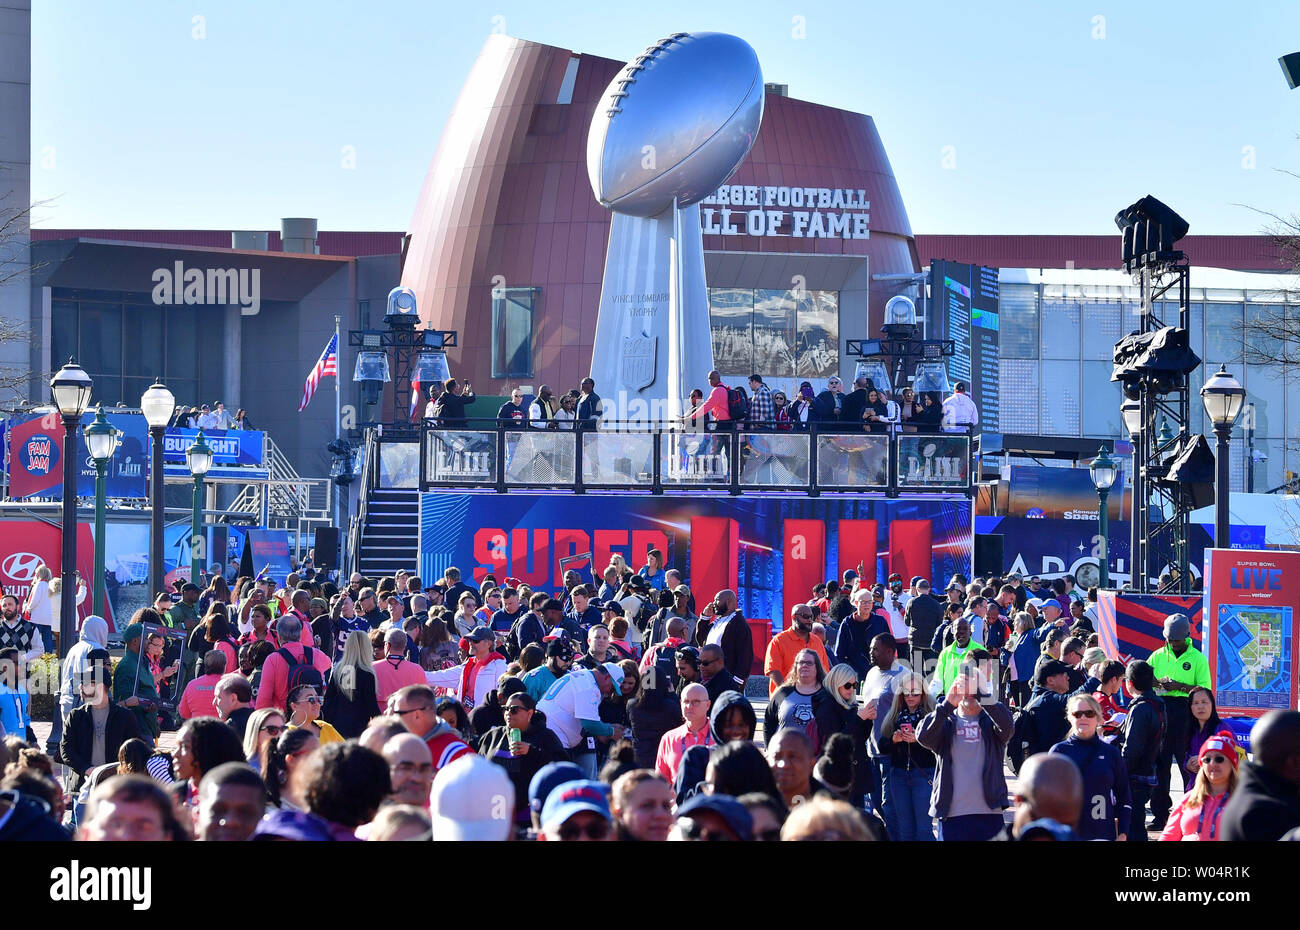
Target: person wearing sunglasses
(1107, 800)
(521, 744)
(262, 727)
(577, 811)
(1197, 816)
(909, 781)
(303, 711)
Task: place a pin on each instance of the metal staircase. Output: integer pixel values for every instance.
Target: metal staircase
(390, 537)
(286, 500)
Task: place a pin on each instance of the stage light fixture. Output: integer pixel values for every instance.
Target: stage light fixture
(1149, 230)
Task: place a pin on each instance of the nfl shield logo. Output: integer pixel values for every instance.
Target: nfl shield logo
(639, 353)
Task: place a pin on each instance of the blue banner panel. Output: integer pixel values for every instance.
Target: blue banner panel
(271, 553)
(526, 535)
(229, 446)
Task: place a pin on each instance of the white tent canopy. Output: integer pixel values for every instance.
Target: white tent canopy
(1279, 514)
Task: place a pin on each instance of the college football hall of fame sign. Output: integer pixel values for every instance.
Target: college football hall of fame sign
(670, 129)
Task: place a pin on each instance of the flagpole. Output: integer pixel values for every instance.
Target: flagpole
(338, 364)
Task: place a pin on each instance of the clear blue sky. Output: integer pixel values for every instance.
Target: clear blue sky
(1055, 119)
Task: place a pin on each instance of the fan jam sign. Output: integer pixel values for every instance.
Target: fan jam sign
(813, 212)
(39, 454)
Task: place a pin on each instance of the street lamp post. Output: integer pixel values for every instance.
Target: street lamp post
(70, 388)
(1102, 470)
(158, 404)
(199, 458)
(101, 442)
(1223, 397)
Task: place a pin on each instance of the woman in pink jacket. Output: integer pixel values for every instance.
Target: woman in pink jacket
(1197, 815)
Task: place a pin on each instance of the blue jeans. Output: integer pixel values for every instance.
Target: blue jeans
(907, 803)
(970, 828)
(585, 759)
(883, 764)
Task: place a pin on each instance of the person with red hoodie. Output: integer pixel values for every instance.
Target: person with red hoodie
(273, 688)
(477, 676)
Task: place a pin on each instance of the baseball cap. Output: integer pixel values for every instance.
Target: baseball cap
(728, 808)
(1049, 602)
(559, 647)
(915, 579)
(639, 582)
(553, 604)
(954, 586)
(1050, 669)
(466, 796)
(895, 577)
(682, 589)
(571, 798)
(1177, 626)
(614, 672)
(613, 606)
(480, 634)
(548, 778)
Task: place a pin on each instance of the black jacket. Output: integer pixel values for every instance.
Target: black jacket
(79, 736)
(855, 403)
(823, 408)
(1050, 722)
(589, 411)
(904, 755)
(722, 706)
(1263, 807)
(737, 643)
(853, 644)
(1142, 734)
(350, 717)
(528, 629)
(826, 714)
(544, 748)
(923, 615)
(656, 712)
(450, 408)
(720, 684)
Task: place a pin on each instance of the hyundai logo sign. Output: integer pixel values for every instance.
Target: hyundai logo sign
(20, 566)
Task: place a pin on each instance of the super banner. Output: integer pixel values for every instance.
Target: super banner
(771, 550)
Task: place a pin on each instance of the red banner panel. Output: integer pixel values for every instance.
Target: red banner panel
(910, 542)
(715, 557)
(804, 564)
(858, 544)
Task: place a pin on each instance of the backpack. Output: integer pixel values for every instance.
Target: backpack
(737, 403)
(1024, 736)
(301, 673)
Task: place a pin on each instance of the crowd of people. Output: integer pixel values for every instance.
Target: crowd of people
(867, 406)
(405, 710)
(209, 417)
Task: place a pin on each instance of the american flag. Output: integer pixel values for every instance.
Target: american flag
(327, 364)
(417, 395)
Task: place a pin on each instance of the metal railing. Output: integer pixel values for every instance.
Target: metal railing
(368, 480)
(285, 500)
(769, 456)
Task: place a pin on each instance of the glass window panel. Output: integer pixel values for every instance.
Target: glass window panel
(1195, 407)
(1270, 463)
(210, 362)
(1018, 308)
(182, 342)
(1264, 389)
(818, 334)
(143, 333)
(1101, 400)
(1060, 337)
(101, 339)
(1223, 332)
(1059, 399)
(1018, 381)
(512, 333)
(731, 323)
(774, 329)
(1101, 324)
(63, 332)
(108, 391)
(1265, 325)
(1196, 328)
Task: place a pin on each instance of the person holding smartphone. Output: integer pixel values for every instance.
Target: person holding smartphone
(521, 745)
(967, 733)
(909, 780)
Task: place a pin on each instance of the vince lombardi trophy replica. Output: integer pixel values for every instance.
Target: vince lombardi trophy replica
(669, 130)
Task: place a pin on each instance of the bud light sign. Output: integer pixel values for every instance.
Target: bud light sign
(229, 447)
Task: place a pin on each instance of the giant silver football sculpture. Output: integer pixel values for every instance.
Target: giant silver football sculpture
(669, 130)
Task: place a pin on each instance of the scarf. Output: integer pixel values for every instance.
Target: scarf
(469, 673)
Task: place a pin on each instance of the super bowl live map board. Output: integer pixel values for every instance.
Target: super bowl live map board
(1254, 662)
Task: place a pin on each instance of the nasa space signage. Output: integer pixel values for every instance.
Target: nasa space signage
(793, 212)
